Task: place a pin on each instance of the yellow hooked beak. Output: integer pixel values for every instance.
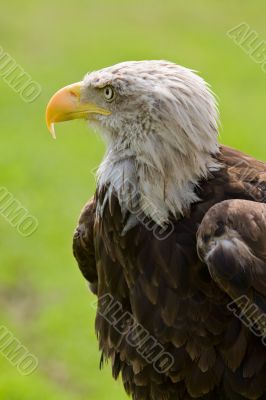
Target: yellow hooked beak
(66, 105)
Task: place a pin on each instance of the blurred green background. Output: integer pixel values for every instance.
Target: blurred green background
(44, 300)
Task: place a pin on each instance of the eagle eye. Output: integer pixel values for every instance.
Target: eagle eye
(109, 93)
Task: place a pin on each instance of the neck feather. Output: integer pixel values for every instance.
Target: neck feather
(159, 181)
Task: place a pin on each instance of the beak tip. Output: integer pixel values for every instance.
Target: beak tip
(51, 129)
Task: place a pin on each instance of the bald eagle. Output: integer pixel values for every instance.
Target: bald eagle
(173, 241)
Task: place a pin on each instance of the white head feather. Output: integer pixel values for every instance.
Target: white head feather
(161, 136)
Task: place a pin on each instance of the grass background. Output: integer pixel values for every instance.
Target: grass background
(43, 298)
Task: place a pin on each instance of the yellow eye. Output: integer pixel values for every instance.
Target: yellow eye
(109, 93)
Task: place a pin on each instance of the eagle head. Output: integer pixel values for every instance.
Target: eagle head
(160, 122)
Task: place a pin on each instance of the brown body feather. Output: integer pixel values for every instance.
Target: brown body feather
(179, 299)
